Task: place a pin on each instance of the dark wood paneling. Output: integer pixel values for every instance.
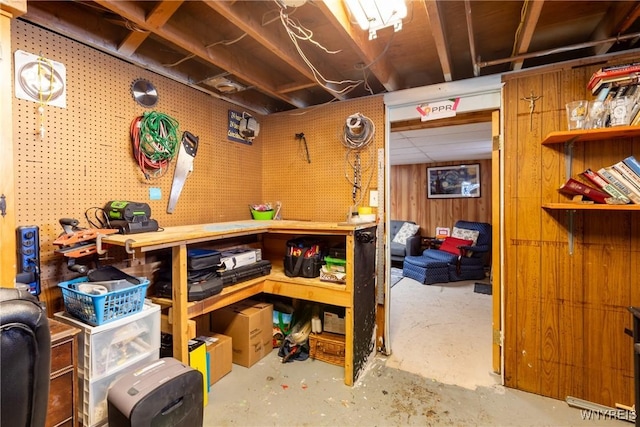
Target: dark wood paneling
(409, 198)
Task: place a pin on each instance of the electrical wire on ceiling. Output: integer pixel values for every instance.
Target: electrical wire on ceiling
(523, 14)
(154, 139)
(310, 109)
(357, 135)
(365, 67)
(221, 42)
(297, 32)
(276, 13)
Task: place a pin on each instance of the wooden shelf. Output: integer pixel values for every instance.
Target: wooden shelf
(274, 283)
(591, 207)
(591, 134)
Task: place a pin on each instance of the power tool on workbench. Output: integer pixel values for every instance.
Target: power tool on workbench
(130, 217)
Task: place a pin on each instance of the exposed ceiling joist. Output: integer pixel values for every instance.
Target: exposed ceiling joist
(437, 30)
(472, 43)
(199, 42)
(239, 14)
(369, 53)
(156, 19)
(618, 20)
(526, 29)
(253, 75)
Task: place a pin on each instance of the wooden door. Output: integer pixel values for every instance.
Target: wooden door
(496, 206)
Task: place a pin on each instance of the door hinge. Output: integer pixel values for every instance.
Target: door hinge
(498, 142)
(498, 338)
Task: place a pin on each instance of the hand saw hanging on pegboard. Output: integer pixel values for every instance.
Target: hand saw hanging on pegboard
(184, 166)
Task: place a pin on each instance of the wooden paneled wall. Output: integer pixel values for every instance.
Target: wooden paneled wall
(565, 314)
(409, 198)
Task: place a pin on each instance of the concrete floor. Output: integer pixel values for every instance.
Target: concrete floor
(442, 332)
(436, 375)
(312, 393)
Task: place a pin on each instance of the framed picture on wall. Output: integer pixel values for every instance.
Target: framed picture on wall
(456, 181)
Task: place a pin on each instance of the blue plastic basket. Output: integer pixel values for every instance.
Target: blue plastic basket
(99, 309)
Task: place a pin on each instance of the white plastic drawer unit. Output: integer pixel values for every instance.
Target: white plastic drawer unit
(107, 348)
(95, 392)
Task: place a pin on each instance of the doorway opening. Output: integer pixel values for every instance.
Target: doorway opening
(444, 331)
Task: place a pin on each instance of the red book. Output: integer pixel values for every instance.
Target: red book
(601, 183)
(573, 187)
(615, 70)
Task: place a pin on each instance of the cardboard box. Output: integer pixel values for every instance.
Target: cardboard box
(333, 322)
(250, 325)
(219, 353)
(234, 258)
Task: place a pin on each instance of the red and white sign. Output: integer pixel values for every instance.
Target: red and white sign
(438, 110)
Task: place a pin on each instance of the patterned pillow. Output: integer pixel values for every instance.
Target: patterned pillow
(407, 230)
(451, 244)
(463, 233)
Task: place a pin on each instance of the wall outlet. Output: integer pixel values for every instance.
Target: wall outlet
(373, 198)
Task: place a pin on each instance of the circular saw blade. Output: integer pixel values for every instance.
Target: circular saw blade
(144, 93)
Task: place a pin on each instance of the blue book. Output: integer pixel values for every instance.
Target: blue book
(633, 164)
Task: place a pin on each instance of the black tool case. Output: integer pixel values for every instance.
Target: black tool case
(201, 284)
(205, 288)
(246, 272)
(199, 259)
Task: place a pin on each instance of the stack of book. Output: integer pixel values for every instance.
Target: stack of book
(610, 84)
(618, 184)
(611, 78)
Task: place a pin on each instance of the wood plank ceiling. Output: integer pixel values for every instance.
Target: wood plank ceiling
(272, 56)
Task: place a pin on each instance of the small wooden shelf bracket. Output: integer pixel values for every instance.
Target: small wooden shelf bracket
(568, 164)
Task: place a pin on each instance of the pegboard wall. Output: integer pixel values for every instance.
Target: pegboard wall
(319, 190)
(85, 158)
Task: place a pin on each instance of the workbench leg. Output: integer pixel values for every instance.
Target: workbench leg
(180, 291)
(348, 346)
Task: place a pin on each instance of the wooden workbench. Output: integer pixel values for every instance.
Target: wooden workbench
(357, 295)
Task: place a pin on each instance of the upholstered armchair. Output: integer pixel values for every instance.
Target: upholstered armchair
(25, 359)
(463, 256)
(405, 240)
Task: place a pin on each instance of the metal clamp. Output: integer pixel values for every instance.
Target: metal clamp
(127, 247)
(99, 249)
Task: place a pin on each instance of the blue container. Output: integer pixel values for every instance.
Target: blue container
(103, 308)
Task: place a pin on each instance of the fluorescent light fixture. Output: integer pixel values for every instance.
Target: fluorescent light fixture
(224, 85)
(373, 15)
